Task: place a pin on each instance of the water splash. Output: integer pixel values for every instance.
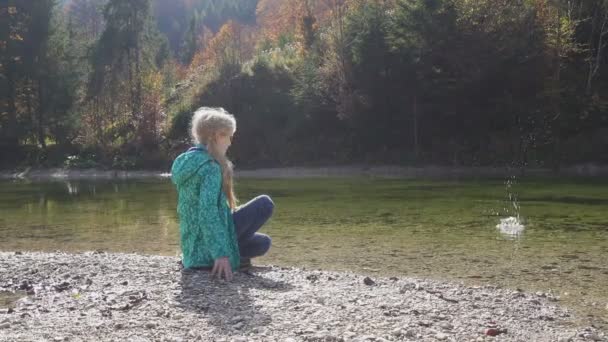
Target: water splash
(511, 227)
(512, 197)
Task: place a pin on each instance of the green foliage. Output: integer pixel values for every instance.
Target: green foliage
(180, 124)
(189, 45)
(263, 108)
(124, 162)
(81, 161)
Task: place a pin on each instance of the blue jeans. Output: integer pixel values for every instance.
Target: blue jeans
(248, 219)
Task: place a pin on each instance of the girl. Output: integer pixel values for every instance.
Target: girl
(214, 232)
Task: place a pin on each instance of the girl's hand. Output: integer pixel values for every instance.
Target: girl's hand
(222, 266)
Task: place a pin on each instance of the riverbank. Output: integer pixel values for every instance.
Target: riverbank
(381, 171)
(97, 296)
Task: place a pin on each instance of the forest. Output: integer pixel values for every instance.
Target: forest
(112, 84)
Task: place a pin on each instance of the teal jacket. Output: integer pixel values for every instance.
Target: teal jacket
(205, 220)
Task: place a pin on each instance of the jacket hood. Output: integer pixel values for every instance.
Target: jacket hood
(188, 163)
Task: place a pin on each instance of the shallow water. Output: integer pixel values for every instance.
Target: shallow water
(440, 229)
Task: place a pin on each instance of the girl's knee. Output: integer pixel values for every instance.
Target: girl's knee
(266, 203)
(265, 243)
(257, 247)
(268, 241)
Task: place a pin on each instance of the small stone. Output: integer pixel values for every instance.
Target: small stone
(124, 283)
(410, 334)
(5, 325)
(441, 336)
(25, 285)
(119, 326)
(446, 326)
(495, 331)
(349, 334)
(4, 311)
(397, 332)
(151, 325)
(312, 277)
(425, 323)
(491, 332)
(238, 326)
(593, 337)
(236, 319)
(368, 281)
(62, 287)
(175, 339)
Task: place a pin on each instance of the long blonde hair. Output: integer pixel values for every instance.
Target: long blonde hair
(206, 124)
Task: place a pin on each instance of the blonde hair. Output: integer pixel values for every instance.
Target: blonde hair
(206, 124)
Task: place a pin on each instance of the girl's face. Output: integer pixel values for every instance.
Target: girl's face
(223, 141)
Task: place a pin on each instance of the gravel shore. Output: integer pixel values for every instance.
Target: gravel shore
(97, 296)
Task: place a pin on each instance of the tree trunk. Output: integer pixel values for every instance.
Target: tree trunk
(11, 132)
(133, 118)
(143, 117)
(595, 61)
(557, 132)
(416, 145)
(138, 85)
(28, 102)
(40, 115)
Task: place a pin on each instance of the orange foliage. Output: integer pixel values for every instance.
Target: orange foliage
(231, 45)
(203, 40)
(278, 17)
(224, 47)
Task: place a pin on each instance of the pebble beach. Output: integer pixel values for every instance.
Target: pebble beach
(99, 296)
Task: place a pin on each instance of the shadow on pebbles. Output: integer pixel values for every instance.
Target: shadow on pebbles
(98, 296)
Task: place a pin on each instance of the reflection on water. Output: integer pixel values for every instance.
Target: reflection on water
(72, 187)
(131, 217)
(390, 227)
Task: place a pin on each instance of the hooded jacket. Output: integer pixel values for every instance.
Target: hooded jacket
(205, 220)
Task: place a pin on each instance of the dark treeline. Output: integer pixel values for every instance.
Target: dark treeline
(112, 83)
